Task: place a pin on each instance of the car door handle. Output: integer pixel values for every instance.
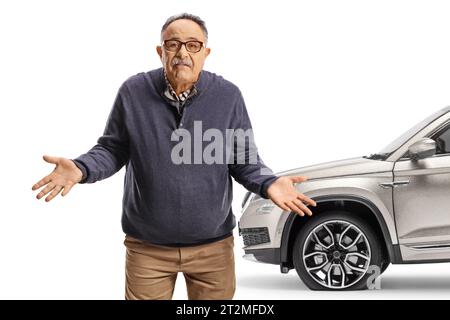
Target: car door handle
(394, 184)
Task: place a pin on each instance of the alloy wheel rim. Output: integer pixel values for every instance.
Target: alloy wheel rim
(336, 254)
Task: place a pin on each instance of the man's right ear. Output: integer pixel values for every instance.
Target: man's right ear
(159, 51)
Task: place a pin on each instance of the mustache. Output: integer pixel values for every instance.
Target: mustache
(176, 61)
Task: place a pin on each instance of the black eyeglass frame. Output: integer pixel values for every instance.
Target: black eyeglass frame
(180, 43)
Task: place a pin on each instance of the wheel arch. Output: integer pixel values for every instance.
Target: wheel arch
(325, 203)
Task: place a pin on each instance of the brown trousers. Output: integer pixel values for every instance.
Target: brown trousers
(151, 270)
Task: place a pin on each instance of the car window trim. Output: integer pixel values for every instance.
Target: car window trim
(443, 127)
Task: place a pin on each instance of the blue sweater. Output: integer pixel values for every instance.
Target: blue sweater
(166, 202)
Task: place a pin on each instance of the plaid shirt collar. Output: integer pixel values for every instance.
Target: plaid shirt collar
(172, 95)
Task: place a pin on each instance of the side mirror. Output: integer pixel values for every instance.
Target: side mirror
(421, 149)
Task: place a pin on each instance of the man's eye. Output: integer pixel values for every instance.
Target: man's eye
(171, 45)
(194, 46)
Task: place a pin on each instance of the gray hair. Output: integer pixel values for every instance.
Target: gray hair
(187, 16)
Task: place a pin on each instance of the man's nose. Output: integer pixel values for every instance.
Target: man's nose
(182, 52)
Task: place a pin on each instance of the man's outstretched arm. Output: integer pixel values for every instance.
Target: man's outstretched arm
(100, 162)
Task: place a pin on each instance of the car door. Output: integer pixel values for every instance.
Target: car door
(421, 196)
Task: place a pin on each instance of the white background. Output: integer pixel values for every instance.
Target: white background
(323, 80)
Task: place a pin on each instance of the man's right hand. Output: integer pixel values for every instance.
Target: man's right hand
(65, 175)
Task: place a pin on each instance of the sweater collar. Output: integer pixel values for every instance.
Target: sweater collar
(160, 81)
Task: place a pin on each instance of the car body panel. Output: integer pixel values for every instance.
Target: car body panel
(346, 167)
(365, 186)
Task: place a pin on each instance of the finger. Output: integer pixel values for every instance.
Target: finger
(54, 193)
(295, 209)
(66, 189)
(306, 199)
(41, 183)
(298, 179)
(50, 159)
(282, 206)
(46, 190)
(302, 207)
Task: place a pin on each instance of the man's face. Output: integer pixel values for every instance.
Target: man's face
(183, 66)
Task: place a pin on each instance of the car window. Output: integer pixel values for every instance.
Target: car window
(443, 141)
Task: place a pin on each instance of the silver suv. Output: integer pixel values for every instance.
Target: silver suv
(389, 207)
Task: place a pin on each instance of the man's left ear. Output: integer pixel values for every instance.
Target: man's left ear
(207, 52)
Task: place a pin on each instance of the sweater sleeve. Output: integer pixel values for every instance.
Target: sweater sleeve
(111, 152)
(245, 165)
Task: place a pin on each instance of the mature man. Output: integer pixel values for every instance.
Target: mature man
(177, 213)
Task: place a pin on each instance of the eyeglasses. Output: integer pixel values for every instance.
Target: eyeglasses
(192, 46)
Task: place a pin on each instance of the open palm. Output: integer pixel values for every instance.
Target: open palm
(65, 175)
(284, 194)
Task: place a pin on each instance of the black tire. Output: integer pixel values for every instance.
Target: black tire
(308, 244)
(384, 265)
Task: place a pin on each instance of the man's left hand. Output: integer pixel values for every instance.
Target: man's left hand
(283, 193)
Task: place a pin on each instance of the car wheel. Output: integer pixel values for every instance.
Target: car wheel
(337, 251)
